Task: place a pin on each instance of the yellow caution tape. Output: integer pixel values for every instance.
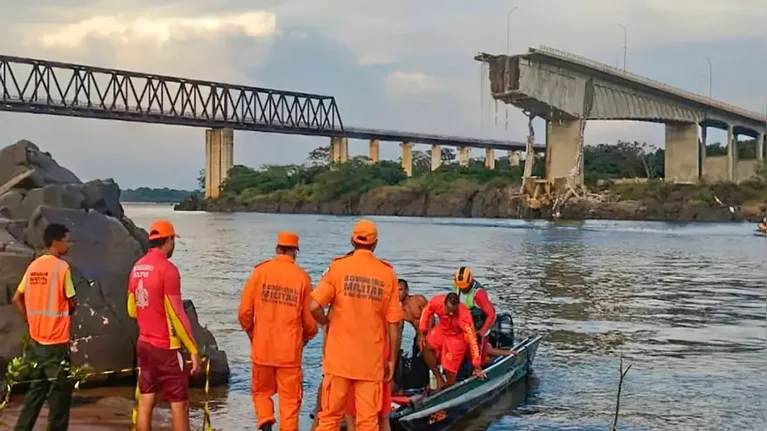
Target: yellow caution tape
(206, 426)
(80, 377)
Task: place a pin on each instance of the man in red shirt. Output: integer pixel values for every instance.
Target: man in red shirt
(449, 338)
(154, 300)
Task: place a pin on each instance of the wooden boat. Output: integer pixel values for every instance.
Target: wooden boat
(438, 411)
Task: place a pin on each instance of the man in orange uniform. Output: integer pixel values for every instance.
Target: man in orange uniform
(383, 414)
(154, 300)
(365, 308)
(274, 312)
(46, 299)
(449, 338)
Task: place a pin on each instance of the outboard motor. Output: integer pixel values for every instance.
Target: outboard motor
(502, 332)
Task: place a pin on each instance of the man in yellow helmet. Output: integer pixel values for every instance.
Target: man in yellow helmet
(474, 297)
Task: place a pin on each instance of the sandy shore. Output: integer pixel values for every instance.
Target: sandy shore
(99, 409)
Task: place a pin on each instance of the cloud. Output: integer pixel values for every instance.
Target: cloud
(395, 64)
(156, 30)
(412, 82)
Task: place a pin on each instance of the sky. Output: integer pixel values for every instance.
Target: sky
(391, 64)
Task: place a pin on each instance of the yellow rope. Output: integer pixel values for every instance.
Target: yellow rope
(134, 414)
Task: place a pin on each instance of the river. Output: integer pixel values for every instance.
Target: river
(683, 303)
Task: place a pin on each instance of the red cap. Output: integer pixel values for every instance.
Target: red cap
(287, 239)
(365, 232)
(161, 229)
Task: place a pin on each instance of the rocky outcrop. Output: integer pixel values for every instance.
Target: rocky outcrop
(105, 245)
(474, 200)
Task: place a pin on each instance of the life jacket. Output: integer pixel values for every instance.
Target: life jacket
(47, 305)
(477, 315)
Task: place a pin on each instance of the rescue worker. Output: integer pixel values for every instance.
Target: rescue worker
(475, 298)
(274, 312)
(46, 298)
(385, 405)
(449, 338)
(365, 308)
(154, 300)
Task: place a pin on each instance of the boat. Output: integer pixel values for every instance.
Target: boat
(419, 410)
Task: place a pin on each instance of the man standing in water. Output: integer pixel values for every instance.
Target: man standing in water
(46, 299)
(274, 312)
(154, 300)
(362, 292)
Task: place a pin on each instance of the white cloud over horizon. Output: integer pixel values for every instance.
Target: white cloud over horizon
(395, 64)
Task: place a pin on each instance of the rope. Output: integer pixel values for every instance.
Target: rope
(75, 373)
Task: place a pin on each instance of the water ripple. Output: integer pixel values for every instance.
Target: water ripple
(685, 303)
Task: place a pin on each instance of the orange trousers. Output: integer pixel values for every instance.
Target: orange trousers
(367, 400)
(287, 383)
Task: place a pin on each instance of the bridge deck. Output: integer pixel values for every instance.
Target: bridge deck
(54, 88)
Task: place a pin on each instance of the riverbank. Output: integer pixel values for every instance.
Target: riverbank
(650, 201)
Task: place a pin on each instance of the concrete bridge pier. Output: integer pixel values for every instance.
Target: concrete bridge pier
(760, 147)
(407, 158)
(374, 151)
(682, 153)
(732, 153)
(562, 145)
(219, 159)
(489, 158)
(436, 157)
(463, 156)
(514, 158)
(339, 150)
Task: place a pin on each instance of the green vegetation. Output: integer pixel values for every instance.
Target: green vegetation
(319, 181)
(146, 194)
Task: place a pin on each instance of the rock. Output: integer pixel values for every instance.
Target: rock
(219, 365)
(11, 201)
(105, 245)
(23, 155)
(57, 195)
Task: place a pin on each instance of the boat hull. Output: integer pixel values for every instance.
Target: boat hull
(445, 408)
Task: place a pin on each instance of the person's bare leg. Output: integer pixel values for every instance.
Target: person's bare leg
(146, 403)
(450, 380)
(430, 357)
(180, 414)
(317, 408)
(383, 423)
(350, 424)
(493, 352)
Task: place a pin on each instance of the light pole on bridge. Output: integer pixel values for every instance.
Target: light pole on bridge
(508, 52)
(710, 76)
(625, 44)
(508, 29)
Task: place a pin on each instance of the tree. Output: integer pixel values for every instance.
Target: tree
(201, 180)
(320, 156)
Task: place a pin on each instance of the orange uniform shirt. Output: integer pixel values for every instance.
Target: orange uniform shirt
(460, 325)
(364, 297)
(47, 286)
(275, 309)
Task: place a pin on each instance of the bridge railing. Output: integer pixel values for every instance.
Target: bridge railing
(39, 86)
(564, 55)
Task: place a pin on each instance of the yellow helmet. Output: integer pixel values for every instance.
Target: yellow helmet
(463, 278)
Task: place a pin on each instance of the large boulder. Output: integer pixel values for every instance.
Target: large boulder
(105, 245)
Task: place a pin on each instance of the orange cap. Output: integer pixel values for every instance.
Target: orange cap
(161, 229)
(287, 239)
(365, 232)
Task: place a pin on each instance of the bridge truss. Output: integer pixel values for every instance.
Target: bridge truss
(53, 88)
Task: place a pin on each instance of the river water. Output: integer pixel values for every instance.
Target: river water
(683, 303)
